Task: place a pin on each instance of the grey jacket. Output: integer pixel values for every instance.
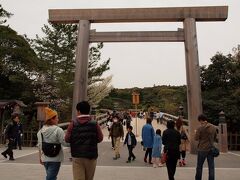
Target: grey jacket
(52, 134)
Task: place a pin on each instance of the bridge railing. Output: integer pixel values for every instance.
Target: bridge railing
(167, 117)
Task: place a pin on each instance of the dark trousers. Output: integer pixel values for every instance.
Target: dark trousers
(183, 154)
(171, 166)
(130, 153)
(202, 155)
(18, 142)
(9, 150)
(148, 152)
(112, 142)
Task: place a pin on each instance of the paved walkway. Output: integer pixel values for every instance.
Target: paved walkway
(27, 167)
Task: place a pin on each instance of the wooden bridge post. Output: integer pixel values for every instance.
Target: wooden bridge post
(193, 79)
(81, 71)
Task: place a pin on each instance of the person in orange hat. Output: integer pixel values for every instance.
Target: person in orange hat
(52, 135)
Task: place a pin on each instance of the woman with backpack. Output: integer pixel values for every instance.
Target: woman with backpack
(50, 138)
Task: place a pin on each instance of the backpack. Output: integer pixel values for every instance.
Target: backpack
(50, 149)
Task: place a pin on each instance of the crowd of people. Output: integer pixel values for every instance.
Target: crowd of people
(84, 134)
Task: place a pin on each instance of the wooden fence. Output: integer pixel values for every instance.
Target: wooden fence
(29, 138)
(234, 141)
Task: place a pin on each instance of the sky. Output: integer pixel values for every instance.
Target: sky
(139, 64)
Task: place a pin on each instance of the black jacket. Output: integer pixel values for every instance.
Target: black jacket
(171, 140)
(133, 139)
(11, 131)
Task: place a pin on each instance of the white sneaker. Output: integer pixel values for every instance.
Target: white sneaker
(160, 165)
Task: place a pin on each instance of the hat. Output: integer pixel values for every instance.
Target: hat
(49, 113)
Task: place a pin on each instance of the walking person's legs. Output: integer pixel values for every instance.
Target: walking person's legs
(117, 147)
(112, 140)
(146, 155)
(154, 161)
(52, 169)
(9, 150)
(200, 160)
(171, 167)
(78, 169)
(150, 156)
(183, 153)
(90, 167)
(129, 153)
(132, 155)
(19, 142)
(211, 167)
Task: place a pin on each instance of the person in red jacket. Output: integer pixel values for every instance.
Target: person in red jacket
(84, 134)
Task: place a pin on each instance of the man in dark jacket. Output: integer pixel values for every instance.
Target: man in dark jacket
(11, 135)
(84, 134)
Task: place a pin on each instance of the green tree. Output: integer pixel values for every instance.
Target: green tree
(57, 52)
(221, 87)
(18, 64)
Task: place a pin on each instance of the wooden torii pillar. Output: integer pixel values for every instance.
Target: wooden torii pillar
(188, 15)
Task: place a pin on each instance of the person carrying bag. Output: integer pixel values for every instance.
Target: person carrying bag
(50, 139)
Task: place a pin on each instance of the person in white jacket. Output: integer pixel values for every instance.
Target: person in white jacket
(51, 134)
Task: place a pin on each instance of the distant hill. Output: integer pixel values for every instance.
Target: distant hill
(163, 98)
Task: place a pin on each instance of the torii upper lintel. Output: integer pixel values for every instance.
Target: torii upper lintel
(169, 14)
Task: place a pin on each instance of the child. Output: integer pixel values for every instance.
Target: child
(157, 148)
(131, 142)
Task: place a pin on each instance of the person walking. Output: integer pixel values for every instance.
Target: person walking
(116, 132)
(11, 134)
(147, 139)
(183, 147)
(109, 125)
(205, 135)
(157, 148)
(131, 142)
(18, 140)
(84, 134)
(51, 133)
(171, 140)
(184, 140)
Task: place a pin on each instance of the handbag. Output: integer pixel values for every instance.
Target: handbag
(214, 151)
(164, 158)
(50, 149)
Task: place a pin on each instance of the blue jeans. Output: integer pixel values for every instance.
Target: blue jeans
(52, 169)
(202, 155)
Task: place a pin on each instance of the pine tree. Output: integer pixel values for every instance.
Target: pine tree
(57, 52)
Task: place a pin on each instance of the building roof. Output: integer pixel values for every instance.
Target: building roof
(4, 103)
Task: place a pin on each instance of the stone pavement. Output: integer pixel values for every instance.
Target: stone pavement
(27, 167)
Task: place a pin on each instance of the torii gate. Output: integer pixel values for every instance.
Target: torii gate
(187, 15)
